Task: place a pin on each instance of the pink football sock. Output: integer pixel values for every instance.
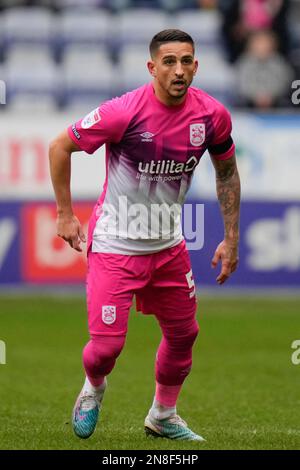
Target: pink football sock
(174, 355)
(167, 395)
(96, 382)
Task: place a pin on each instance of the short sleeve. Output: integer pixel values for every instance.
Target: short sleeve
(222, 146)
(105, 124)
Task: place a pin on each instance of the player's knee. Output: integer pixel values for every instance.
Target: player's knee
(102, 349)
(184, 338)
(108, 347)
(192, 333)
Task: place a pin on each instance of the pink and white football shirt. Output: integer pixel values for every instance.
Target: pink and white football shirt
(152, 151)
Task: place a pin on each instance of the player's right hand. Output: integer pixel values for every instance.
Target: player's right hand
(227, 253)
(70, 230)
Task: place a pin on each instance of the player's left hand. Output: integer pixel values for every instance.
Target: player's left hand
(227, 253)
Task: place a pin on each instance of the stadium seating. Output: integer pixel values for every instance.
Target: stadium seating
(133, 70)
(215, 75)
(80, 52)
(31, 103)
(179, 5)
(168, 5)
(88, 74)
(203, 26)
(12, 3)
(30, 69)
(144, 4)
(33, 25)
(79, 3)
(138, 26)
(1, 38)
(87, 40)
(84, 27)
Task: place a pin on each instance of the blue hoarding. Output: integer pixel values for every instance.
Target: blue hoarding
(269, 245)
(10, 254)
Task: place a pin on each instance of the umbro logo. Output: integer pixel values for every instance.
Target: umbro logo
(147, 137)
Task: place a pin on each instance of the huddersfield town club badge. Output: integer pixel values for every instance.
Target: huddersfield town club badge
(197, 134)
(109, 314)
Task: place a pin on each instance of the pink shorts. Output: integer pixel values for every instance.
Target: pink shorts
(162, 283)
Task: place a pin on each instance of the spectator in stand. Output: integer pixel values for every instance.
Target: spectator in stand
(242, 17)
(263, 75)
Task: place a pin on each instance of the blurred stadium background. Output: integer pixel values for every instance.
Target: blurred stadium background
(58, 60)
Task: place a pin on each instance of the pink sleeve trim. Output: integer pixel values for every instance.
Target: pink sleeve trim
(77, 141)
(72, 136)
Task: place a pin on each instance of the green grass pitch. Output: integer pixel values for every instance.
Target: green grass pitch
(243, 392)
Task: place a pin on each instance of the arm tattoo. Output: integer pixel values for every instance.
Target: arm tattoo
(228, 191)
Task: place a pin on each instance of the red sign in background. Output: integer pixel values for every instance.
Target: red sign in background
(46, 257)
